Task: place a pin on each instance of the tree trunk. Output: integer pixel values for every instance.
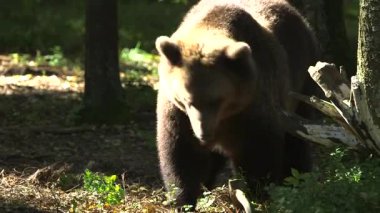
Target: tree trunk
(338, 45)
(368, 73)
(103, 91)
(327, 20)
(356, 109)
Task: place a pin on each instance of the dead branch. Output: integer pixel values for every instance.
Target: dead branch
(48, 173)
(347, 107)
(320, 132)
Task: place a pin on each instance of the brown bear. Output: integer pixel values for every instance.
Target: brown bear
(225, 74)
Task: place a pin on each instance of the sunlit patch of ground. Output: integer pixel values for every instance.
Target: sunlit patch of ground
(16, 84)
(43, 153)
(25, 193)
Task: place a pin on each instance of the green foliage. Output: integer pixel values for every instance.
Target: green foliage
(217, 200)
(206, 202)
(296, 179)
(170, 195)
(342, 184)
(33, 25)
(55, 59)
(41, 25)
(136, 59)
(138, 56)
(68, 181)
(139, 67)
(20, 59)
(103, 186)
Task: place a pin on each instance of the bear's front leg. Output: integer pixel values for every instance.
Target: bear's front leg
(184, 163)
(261, 157)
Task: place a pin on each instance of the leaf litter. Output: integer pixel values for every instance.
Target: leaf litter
(43, 154)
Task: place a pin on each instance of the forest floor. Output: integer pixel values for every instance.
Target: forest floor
(50, 162)
(43, 153)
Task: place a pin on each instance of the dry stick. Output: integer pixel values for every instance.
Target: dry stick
(325, 107)
(240, 200)
(240, 196)
(352, 109)
(320, 132)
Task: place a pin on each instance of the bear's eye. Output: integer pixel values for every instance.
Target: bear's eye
(206, 104)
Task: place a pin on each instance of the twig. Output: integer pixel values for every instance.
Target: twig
(237, 195)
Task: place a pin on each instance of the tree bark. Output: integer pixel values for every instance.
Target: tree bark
(103, 91)
(369, 55)
(368, 74)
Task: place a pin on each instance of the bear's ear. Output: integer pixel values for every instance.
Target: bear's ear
(169, 50)
(238, 50)
(239, 59)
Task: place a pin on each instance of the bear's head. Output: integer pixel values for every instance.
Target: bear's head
(209, 81)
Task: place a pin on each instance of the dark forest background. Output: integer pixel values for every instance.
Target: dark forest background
(41, 25)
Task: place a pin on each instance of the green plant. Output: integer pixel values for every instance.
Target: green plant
(139, 59)
(21, 59)
(206, 201)
(56, 58)
(104, 187)
(139, 66)
(343, 183)
(68, 181)
(170, 195)
(296, 178)
(136, 55)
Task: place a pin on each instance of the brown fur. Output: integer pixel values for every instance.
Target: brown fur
(224, 75)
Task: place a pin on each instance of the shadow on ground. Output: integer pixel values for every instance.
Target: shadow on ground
(37, 130)
(16, 207)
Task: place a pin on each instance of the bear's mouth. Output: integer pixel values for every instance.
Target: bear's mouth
(206, 139)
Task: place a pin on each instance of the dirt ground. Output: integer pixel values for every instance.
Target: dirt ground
(37, 131)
